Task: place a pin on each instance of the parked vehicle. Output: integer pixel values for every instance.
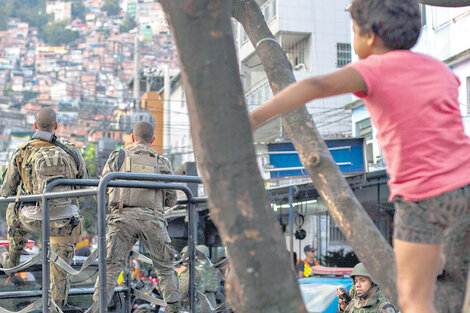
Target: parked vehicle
(319, 290)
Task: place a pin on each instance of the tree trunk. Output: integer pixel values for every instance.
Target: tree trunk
(466, 306)
(263, 279)
(450, 292)
(368, 243)
(446, 3)
(355, 224)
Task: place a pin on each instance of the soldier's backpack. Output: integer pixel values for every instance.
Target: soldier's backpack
(144, 161)
(41, 161)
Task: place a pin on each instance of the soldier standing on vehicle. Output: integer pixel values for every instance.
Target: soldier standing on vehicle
(366, 297)
(137, 214)
(304, 268)
(32, 166)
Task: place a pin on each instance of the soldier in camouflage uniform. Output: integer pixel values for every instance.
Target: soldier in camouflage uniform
(366, 295)
(207, 282)
(137, 214)
(23, 218)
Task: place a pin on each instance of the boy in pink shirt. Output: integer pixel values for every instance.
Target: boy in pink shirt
(412, 100)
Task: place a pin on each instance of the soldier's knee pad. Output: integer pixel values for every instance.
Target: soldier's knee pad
(77, 227)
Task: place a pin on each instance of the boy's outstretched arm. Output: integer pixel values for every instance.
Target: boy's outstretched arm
(340, 82)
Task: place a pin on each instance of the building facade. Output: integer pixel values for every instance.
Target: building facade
(316, 37)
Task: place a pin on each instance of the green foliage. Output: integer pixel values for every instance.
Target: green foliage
(32, 12)
(89, 157)
(111, 7)
(56, 34)
(89, 217)
(340, 259)
(79, 10)
(127, 25)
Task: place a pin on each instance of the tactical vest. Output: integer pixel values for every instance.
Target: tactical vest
(144, 161)
(39, 162)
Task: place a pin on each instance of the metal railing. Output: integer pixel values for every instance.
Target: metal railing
(126, 180)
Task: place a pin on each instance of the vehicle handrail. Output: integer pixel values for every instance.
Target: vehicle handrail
(126, 180)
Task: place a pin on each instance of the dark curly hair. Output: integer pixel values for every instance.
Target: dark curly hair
(396, 22)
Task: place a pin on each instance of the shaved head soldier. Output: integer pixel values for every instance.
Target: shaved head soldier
(46, 120)
(143, 133)
(31, 167)
(137, 214)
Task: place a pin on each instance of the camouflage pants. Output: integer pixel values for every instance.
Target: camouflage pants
(18, 228)
(427, 220)
(127, 226)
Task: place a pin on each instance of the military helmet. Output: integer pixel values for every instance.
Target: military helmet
(184, 250)
(203, 249)
(361, 270)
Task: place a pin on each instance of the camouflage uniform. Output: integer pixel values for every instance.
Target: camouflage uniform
(19, 226)
(364, 303)
(126, 225)
(207, 282)
(378, 303)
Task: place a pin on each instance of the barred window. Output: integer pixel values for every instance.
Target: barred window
(343, 54)
(336, 236)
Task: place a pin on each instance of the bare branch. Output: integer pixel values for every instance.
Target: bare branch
(446, 3)
(262, 279)
(368, 243)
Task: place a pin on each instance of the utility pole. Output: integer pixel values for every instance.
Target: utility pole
(167, 111)
(136, 58)
(136, 70)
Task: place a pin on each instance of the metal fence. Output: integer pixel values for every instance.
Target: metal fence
(115, 179)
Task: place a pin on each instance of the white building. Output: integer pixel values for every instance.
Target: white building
(61, 10)
(444, 36)
(178, 144)
(316, 36)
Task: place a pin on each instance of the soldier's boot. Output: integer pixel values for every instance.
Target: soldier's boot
(174, 307)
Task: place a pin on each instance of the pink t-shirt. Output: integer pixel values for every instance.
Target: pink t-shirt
(412, 100)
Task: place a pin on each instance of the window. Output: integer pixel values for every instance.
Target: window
(336, 236)
(364, 129)
(343, 54)
(269, 10)
(423, 14)
(258, 96)
(266, 12)
(297, 52)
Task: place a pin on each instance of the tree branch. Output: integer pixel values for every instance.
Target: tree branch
(262, 279)
(361, 233)
(446, 3)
